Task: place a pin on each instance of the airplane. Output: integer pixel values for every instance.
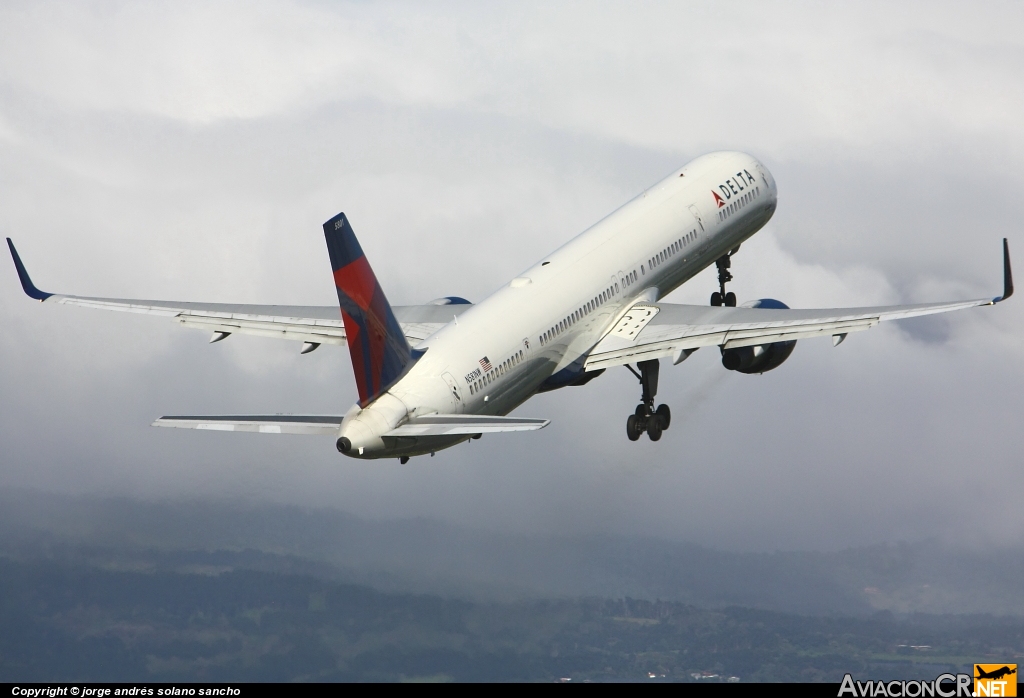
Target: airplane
(996, 674)
(435, 375)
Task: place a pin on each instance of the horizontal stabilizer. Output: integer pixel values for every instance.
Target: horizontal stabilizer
(320, 425)
(455, 424)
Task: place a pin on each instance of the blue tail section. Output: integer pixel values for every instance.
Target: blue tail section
(378, 347)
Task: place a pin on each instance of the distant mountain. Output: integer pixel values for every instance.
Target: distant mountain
(65, 621)
(425, 556)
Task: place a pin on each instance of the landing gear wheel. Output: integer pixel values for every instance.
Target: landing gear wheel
(654, 429)
(403, 460)
(641, 413)
(721, 297)
(664, 415)
(633, 427)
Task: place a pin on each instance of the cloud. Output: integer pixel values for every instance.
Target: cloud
(193, 150)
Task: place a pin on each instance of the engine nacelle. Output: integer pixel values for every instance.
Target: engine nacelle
(762, 357)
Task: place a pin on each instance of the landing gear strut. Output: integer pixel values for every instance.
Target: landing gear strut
(646, 417)
(720, 297)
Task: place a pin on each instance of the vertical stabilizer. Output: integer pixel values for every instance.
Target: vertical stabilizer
(380, 353)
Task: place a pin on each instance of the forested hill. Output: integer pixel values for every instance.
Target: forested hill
(63, 621)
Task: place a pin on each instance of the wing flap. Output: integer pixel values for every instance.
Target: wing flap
(278, 328)
(455, 424)
(749, 338)
(317, 425)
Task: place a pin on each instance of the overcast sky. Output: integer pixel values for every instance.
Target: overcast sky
(191, 151)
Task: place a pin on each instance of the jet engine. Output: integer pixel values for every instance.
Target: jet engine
(762, 357)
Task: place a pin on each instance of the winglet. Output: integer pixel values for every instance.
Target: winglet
(1007, 274)
(26, 282)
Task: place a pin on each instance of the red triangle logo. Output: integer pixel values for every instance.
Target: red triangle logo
(718, 199)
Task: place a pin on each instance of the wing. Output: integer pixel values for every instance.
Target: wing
(655, 330)
(315, 324)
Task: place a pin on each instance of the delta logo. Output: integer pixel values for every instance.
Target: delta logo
(995, 680)
(734, 185)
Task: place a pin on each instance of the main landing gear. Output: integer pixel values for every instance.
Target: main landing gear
(720, 297)
(646, 418)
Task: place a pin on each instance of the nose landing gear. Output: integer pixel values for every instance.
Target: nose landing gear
(646, 417)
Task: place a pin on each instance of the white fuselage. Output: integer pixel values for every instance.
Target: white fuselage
(536, 331)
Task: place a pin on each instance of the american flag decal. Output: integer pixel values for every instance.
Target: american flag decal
(485, 364)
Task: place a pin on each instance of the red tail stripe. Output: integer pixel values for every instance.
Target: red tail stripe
(357, 281)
